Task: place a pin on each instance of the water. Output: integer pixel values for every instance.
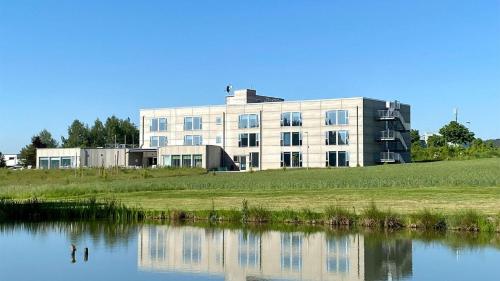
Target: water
(166, 252)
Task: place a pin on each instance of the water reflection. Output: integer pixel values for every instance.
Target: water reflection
(244, 255)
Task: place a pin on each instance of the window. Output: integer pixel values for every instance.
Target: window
(192, 123)
(343, 118)
(197, 160)
(248, 121)
(218, 139)
(186, 161)
(337, 255)
(291, 159)
(158, 124)
(153, 142)
(331, 138)
(291, 138)
(218, 120)
(176, 161)
(191, 250)
(162, 124)
(246, 140)
(291, 252)
(43, 163)
(331, 159)
(193, 140)
(248, 250)
(167, 160)
(55, 162)
(291, 118)
(162, 141)
(331, 117)
(343, 138)
(153, 125)
(66, 162)
(343, 157)
(254, 159)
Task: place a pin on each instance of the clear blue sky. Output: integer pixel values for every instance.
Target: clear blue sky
(61, 60)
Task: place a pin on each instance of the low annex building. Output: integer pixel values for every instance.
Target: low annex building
(254, 132)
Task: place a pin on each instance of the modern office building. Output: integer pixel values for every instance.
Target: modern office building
(260, 132)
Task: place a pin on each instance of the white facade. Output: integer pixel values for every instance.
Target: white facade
(11, 160)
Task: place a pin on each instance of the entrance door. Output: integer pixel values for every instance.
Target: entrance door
(243, 163)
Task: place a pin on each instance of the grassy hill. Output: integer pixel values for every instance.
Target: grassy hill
(443, 186)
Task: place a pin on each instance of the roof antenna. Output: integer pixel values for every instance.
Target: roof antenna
(229, 88)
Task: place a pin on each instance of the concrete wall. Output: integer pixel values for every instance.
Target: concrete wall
(74, 153)
(104, 157)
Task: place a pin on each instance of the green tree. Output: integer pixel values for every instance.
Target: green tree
(415, 136)
(3, 163)
(97, 134)
(436, 141)
(28, 153)
(120, 131)
(47, 139)
(78, 135)
(456, 133)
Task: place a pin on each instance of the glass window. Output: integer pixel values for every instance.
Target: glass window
(66, 162)
(162, 141)
(331, 138)
(167, 160)
(197, 140)
(55, 162)
(296, 119)
(286, 159)
(286, 139)
(296, 138)
(218, 139)
(254, 159)
(285, 119)
(153, 142)
(243, 140)
(153, 125)
(188, 140)
(331, 159)
(162, 124)
(248, 250)
(186, 161)
(197, 124)
(343, 138)
(43, 163)
(331, 117)
(218, 120)
(343, 117)
(343, 158)
(243, 121)
(191, 247)
(296, 159)
(197, 160)
(253, 120)
(188, 123)
(176, 160)
(291, 252)
(253, 139)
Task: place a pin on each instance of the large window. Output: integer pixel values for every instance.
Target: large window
(337, 159)
(197, 160)
(337, 117)
(331, 159)
(291, 119)
(55, 162)
(248, 250)
(291, 252)
(192, 123)
(158, 124)
(66, 162)
(343, 138)
(254, 159)
(193, 140)
(343, 157)
(248, 121)
(186, 160)
(43, 163)
(331, 138)
(291, 159)
(291, 138)
(191, 247)
(158, 141)
(246, 140)
(176, 161)
(337, 255)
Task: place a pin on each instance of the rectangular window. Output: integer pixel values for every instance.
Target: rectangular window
(331, 138)
(197, 140)
(153, 141)
(331, 117)
(243, 140)
(188, 140)
(286, 139)
(331, 159)
(253, 139)
(296, 159)
(343, 159)
(296, 119)
(343, 138)
(162, 124)
(192, 123)
(286, 119)
(55, 162)
(248, 121)
(66, 162)
(286, 159)
(243, 121)
(193, 140)
(162, 141)
(254, 159)
(43, 163)
(176, 160)
(167, 160)
(218, 139)
(153, 125)
(186, 161)
(197, 123)
(343, 118)
(296, 139)
(291, 159)
(197, 160)
(218, 120)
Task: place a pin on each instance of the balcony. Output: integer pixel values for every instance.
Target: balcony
(390, 157)
(387, 115)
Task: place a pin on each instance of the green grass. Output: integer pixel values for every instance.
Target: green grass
(441, 187)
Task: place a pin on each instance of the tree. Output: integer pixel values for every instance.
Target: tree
(28, 153)
(415, 136)
(3, 164)
(78, 135)
(456, 133)
(47, 139)
(436, 141)
(122, 129)
(97, 134)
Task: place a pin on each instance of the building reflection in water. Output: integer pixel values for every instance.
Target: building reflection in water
(244, 255)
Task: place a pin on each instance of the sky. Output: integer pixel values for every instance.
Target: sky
(65, 60)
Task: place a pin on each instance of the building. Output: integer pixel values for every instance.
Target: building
(11, 160)
(260, 132)
(254, 132)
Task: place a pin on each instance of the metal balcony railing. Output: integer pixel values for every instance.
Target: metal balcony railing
(391, 135)
(387, 114)
(390, 157)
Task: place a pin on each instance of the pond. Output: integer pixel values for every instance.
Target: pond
(42, 251)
